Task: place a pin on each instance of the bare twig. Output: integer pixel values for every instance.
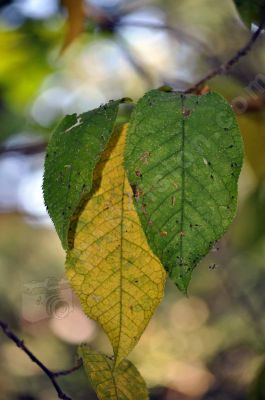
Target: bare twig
(50, 374)
(101, 18)
(69, 371)
(225, 67)
(173, 31)
(139, 68)
(131, 6)
(26, 149)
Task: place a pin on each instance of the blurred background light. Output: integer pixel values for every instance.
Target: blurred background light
(38, 9)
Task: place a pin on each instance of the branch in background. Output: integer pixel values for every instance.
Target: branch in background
(69, 371)
(50, 374)
(26, 149)
(131, 6)
(105, 21)
(173, 31)
(225, 67)
(139, 68)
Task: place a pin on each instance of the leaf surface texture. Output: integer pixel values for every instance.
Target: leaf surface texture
(111, 268)
(73, 151)
(122, 383)
(183, 157)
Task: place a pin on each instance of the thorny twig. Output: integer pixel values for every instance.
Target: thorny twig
(50, 374)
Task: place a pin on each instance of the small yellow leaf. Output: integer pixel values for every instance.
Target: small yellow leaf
(122, 383)
(111, 268)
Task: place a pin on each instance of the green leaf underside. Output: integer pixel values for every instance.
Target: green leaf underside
(122, 383)
(183, 157)
(73, 152)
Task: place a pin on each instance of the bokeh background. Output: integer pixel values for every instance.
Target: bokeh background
(60, 58)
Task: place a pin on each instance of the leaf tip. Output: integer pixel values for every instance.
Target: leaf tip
(182, 282)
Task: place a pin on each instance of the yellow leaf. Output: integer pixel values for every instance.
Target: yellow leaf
(111, 268)
(122, 383)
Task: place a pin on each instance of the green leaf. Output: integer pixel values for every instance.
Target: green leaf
(122, 383)
(73, 151)
(183, 157)
(250, 10)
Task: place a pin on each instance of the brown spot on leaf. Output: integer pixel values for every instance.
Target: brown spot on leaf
(144, 209)
(136, 192)
(186, 112)
(145, 157)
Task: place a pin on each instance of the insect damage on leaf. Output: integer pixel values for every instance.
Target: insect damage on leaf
(111, 268)
(73, 151)
(121, 383)
(188, 183)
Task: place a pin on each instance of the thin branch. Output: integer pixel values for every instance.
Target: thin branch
(69, 371)
(177, 33)
(139, 68)
(26, 149)
(105, 20)
(102, 18)
(129, 7)
(225, 67)
(50, 374)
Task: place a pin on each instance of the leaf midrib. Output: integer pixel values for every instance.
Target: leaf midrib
(121, 262)
(183, 177)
